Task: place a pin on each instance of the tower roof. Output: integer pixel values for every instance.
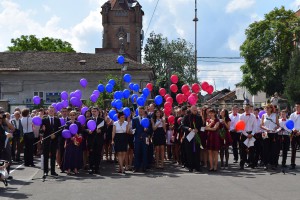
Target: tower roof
(124, 4)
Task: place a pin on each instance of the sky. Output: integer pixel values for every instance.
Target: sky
(220, 31)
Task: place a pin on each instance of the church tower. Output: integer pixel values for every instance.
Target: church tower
(122, 22)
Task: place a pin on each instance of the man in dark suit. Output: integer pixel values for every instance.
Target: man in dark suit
(192, 122)
(50, 125)
(17, 134)
(95, 142)
(141, 141)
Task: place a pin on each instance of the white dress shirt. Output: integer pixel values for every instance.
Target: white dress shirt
(258, 122)
(251, 123)
(282, 125)
(27, 124)
(234, 120)
(296, 119)
(270, 121)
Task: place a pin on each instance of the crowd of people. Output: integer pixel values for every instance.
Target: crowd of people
(197, 138)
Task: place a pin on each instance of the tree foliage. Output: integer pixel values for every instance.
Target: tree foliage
(32, 43)
(267, 51)
(170, 57)
(292, 90)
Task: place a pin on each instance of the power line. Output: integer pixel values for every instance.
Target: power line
(150, 20)
(212, 61)
(220, 57)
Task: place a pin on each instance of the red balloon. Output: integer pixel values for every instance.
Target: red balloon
(195, 95)
(168, 106)
(167, 112)
(174, 78)
(167, 96)
(210, 89)
(204, 85)
(171, 119)
(179, 120)
(185, 88)
(149, 86)
(192, 100)
(174, 88)
(188, 93)
(240, 125)
(170, 99)
(185, 98)
(179, 98)
(196, 88)
(162, 91)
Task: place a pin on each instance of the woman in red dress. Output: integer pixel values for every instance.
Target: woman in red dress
(225, 138)
(213, 140)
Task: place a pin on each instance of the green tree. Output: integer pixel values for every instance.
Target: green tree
(32, 43)
(267, 51)
(169, 57)
(292, 90)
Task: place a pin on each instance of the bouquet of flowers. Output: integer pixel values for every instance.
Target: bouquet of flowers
(197, 138)
(77, 140)
(222, 133)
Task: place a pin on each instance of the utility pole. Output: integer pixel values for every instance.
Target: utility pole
(195, 20)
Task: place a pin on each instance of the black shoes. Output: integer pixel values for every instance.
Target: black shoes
(54, 174)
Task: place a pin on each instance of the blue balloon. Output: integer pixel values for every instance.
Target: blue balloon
(146, 92)
(118, 104)
(134, 96)
(145, 122)
(144, 97)
(109, 88)
(127, 78)
(158, 100)
(126, 93)
(121, 60)
(115, 117)
(140, 101)
(113, 103)
(136, 87)
(118, 95)
(112, 81)
(101, 88)
(111, 113)
(136, 112)
(126, 112)
(130, 86)
(290, 124)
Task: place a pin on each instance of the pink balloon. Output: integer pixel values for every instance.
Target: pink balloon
(174, 78)
(192, 100)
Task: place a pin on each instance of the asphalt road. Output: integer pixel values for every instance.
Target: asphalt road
(171, 183)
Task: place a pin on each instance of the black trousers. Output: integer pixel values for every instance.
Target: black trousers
(235, 141)
(295, 142)
(61, 149)
(49, 148)
(182, 153)
(28, 150)
(95, 156)
(244, 151)
(284, 145)
(270, 149)
(192, 154)
(16, 148)
(258, 148)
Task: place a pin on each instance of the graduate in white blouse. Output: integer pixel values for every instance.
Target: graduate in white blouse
(295, 117)
(234, 118)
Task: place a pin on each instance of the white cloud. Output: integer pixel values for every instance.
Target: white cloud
(296, 4)
(46, 8)
(234, 5)
(22, 22)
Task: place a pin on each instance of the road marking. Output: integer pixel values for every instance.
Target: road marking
(16, 168)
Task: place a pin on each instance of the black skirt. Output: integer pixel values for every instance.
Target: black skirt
(159, 137)
(121, 142)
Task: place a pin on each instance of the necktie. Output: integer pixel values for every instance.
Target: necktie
(235, 115)
(247, 114)
(51, 119)
(298, 113)
(283, 120)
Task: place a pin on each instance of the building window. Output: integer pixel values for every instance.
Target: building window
(40, 94)
(52, 97)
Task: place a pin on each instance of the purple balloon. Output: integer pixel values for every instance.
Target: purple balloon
(93, 98)
(261, 113)
(83, 82)
(59, 106)
(62, 121)
(81, 119)
(78, 94)
(66, 134)
(97, 93)
(75, 101)
(54, 105)
(64, 95)
(73, 129)
(37, 121)
(65, 103)
(91, 125)
(84, 109)
(72, 94)
(36, 100)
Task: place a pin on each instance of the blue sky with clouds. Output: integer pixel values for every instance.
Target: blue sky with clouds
(221, 26)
